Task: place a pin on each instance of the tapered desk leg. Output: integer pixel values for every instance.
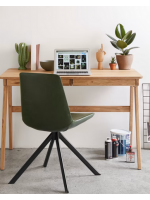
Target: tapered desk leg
(4, 124)
(10, 117)
(131, 114)
(138, 145)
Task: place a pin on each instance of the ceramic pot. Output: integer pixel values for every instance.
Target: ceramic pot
(47, 65)
(112, 66)
(124, 62)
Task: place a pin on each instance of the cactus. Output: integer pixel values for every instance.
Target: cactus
(113, 61)
(23, 55)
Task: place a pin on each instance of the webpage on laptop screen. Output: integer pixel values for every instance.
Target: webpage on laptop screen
(73, 60)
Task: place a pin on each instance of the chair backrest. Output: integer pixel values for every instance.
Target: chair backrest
(44, 104)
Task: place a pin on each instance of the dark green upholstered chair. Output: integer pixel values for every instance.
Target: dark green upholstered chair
(45, 108)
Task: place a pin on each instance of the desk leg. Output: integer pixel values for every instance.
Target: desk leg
(131, 114)
(10, 117)
(4, 124)
(138, 145)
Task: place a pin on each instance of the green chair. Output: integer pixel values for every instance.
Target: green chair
(45, 108)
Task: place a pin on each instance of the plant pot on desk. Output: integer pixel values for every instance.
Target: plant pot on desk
(112, 66)
(124, 61)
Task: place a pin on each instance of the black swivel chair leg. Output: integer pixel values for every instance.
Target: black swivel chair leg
(48, 153)
(61, 163)
(78, 154)
(31, 159)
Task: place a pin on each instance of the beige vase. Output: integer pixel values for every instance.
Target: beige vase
(124, 62)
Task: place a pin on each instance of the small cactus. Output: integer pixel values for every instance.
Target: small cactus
(113, 61)
(23, 55)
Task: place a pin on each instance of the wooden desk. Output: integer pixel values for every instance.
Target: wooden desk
(104, 77)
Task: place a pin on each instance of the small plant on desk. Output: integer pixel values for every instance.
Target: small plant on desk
(113, 63)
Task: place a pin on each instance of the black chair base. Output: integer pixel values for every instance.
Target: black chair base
(53, 136)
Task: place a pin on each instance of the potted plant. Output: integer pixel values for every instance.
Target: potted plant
(124, 59)
(113, 63)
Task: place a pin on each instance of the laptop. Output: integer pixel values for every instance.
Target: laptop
(72, 62)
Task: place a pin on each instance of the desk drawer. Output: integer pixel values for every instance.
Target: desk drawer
(65, 82)
(104, 82)
(13, 82)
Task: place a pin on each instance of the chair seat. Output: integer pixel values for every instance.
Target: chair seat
(79, 118)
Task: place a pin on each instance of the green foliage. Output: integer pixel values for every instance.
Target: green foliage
(120, 31)
(127, 35)
(121, 44)
(113, 60)
(115, 45)
(127, 50)
(125, 39)
(130, 39)
(23, 55)
(112, 38)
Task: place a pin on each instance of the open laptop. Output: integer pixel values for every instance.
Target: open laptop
(72, 62)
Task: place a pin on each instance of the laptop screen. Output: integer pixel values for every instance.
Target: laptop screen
(71, 60)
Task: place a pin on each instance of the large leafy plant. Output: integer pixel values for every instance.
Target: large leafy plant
(125, 39)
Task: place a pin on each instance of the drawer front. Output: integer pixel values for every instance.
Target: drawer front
(65, 82)
(13, 82)
(104, 82)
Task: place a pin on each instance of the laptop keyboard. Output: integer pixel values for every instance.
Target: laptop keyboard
(71, 72)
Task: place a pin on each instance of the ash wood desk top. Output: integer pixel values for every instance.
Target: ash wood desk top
(13, 73)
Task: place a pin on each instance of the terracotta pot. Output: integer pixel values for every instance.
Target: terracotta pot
(112, 66)
(124, 62)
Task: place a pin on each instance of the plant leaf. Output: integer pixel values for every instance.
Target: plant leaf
(134, 48)
(119, 53)
(127, 35)
(117, 32)
(127, 50)
(120, 31)
(130, 39)
(111, 38)
(114, 44)
(121, 44)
